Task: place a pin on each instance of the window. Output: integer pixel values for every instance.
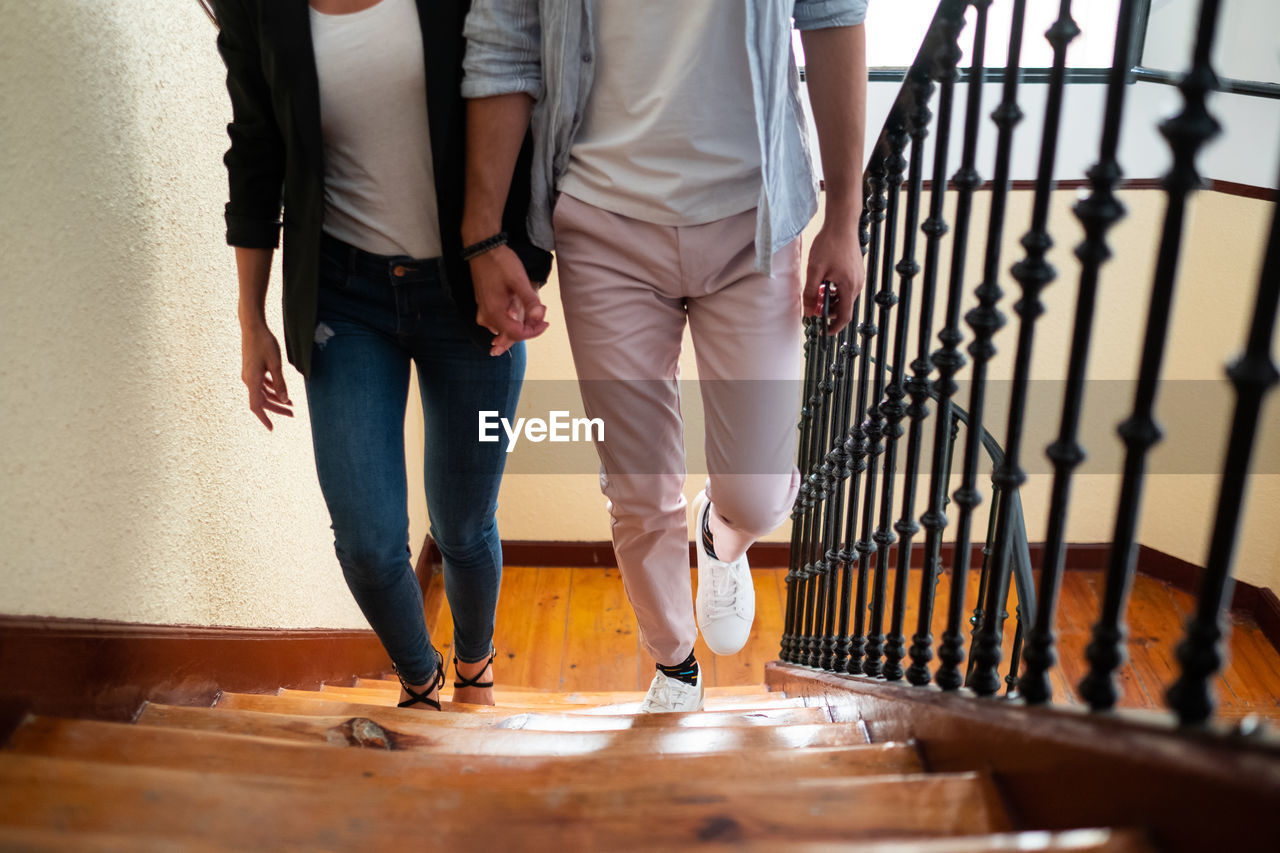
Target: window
(1245, 48)
(895, 30)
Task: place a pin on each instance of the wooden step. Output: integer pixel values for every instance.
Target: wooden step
(582, 697)
(24, 840)
(452, 714)
(1062, 841)
(271, 812)
(537, 720)
(383, 732)
(391, 694)
(21, 839)
(121, 743)
(694, 720)
(746, 704)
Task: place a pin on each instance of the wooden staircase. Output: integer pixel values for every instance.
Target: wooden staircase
(342, 768)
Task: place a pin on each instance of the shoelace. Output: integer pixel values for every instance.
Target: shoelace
(658, 698)
(726, 593)
(661, 697)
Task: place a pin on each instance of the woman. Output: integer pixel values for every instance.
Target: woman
(348, 113)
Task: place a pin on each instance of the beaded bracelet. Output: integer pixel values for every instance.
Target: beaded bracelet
(475, 250)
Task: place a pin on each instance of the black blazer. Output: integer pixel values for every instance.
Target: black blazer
(276, 153)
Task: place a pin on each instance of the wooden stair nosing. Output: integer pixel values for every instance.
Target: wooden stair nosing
(629, 708)
(580, 697)
(217, 752)
(25, 839)
(1091, 840)
(548, 722)
(531, 700)
(252, 810)
(540, 720)
(345, 731)
(727, 704)
(45, 840)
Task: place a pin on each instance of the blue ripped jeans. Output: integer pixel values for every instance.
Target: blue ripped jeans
(376, 314)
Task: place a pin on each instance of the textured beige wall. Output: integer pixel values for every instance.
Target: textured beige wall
(1222, 266)
(134, 483)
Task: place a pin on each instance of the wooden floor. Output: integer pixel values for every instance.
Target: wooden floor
(573, 630)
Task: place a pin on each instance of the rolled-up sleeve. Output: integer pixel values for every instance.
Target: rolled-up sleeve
(504, 49)
(256, 159)
(821, 14)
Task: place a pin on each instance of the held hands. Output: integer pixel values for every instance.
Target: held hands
(835, 264)
(506, 302)
(262, 373)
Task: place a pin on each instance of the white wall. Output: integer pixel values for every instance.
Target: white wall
(134, 483)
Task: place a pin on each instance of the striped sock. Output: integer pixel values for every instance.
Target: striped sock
(686, 671)
(708, 541)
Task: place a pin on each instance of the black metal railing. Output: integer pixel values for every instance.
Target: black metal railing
(862, 396)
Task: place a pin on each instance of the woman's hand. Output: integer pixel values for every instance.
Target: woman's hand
(262, 373)
(507, 304)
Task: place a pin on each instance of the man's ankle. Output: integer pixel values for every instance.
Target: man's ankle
(686, 671)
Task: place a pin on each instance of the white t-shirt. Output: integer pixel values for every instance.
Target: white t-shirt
(379, 190)
(669, 135)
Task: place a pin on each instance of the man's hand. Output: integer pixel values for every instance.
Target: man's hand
(506, 302)
(836, 75)
(262, 373)
(835, 261)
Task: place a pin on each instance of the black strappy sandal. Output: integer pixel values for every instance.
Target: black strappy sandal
(463, 681)
(416, 698)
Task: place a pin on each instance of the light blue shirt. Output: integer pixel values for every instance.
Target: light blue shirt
(543, 48)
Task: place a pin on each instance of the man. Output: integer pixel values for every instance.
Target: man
(672, 177)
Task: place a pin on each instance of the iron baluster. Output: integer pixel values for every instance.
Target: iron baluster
(799, 543)
(830, 478)
(951, 18)
(895, 648)
(984, 607)
(1098, 214)
(1253, 375)
(949, 359)
(886, 208)
(1011, 680)
(855, 463)
(811, 497)
(881, 408)
(820, 400)
(985, 320)
(842, 373)
(1033, 273)
(826, 485)
(1186, 133)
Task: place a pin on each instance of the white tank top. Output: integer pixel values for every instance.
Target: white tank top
(669, 135)
(379, 191)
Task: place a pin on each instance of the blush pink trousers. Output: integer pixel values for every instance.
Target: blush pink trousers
(628, 288)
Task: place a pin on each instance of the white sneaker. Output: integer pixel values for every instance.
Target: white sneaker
(667, 695)
(726, 603)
